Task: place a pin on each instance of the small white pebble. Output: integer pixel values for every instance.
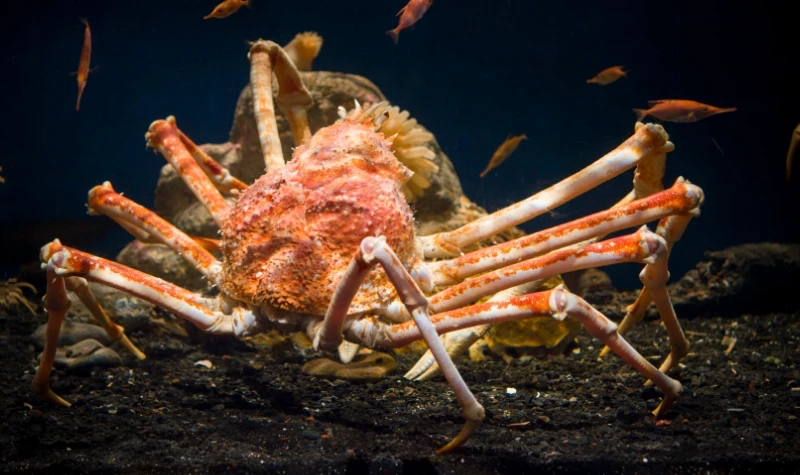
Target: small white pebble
(511, 390)
(204, 363)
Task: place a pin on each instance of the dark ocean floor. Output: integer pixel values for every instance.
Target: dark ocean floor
(571, 413)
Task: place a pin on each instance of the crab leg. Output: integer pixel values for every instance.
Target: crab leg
(458, 341)
(63, 262)
(293, 98)
(329, 333)
(681, 198)
(671, 229)
(647, 140)
(219, 175)
(654, 277)
(57, 303)
(80, 287)
(164, 137)
(557, 303)
(103, 199)
(642, 246)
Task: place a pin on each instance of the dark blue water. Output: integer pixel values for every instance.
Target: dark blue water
(471, 72)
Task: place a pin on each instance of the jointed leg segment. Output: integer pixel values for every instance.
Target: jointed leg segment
(141, 221)
(293, 98)
(328, 334)
(647, 139)
(67, 268)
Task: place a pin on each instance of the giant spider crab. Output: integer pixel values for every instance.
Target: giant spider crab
(326, 244)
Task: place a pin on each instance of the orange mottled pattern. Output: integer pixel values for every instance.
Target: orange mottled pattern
(292, 234)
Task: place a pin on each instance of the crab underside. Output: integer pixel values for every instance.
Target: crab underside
(326, 244)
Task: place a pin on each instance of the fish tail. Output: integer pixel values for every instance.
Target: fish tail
(394, 34)
(248, 3)
(80, 93)
(84, 21)
(640, 114)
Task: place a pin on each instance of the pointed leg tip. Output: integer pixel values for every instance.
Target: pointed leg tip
(470, 426)
(128, 345)
(45, 392)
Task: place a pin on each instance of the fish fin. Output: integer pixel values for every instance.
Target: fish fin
(95, 69)
(640, 114)
(248, 3)
(652, 103)
(394, 35)
(591, 81)
(84, 21)
(402, 10)
(73, 73)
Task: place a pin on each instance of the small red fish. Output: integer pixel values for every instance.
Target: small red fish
(679, 110)
(409, 15)
(83, 65)
(503, 151)
(227, 8)
(608, 75)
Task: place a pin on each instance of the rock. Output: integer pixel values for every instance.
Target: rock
(371, 367)
(71, 333)
(160, 261)
(132, 313)
(84, 355)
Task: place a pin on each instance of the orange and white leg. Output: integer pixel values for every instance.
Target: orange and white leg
(642, 246)
(457, 342)
(164, 137)
(213, 315)
(328, 334)
(671, 229)
(682, 198)
(654, 277)
(557, 303)
(268, 58)
(219, 175)
(141, 221)
(647, 140)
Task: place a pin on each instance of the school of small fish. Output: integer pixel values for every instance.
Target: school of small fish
(669, 110)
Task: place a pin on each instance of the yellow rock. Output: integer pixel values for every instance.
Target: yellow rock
(364, 367)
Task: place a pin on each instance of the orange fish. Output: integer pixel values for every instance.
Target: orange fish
(608, 75)
(794, 150)
(409, 15)
(503, 151)
(227, 8)
(679, 110)
(83, 65)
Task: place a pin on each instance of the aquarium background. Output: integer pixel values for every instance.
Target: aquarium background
(471, 72)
